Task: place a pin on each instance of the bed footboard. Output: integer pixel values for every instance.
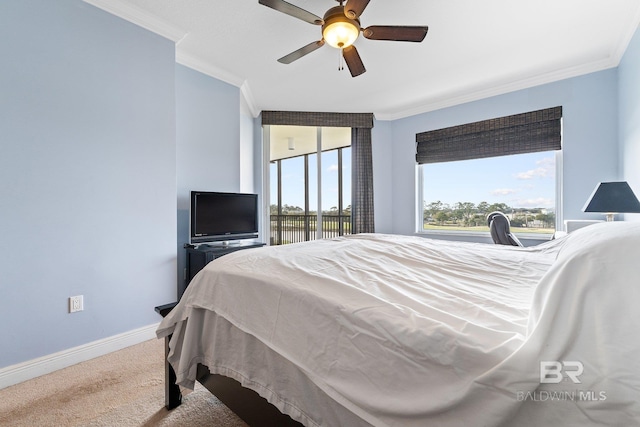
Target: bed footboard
(245, 403)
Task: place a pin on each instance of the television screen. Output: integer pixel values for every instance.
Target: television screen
(223, 216)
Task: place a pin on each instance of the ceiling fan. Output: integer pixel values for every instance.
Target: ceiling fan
(341, 27)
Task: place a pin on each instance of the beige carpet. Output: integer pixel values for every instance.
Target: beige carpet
(124, 388)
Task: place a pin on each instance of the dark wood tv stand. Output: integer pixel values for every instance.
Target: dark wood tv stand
(201, 255)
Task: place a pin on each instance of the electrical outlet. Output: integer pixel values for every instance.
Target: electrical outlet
(76, 303)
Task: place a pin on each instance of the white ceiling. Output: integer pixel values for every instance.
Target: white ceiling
(294, 141)
(474, 49)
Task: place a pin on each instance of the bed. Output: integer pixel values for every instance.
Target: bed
(386, 330)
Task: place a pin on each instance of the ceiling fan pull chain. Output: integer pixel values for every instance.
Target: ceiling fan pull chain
(340, 61)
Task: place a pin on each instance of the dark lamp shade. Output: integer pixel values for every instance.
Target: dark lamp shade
(612, 197)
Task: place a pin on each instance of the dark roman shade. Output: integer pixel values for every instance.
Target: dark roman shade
(521, 133)
(362, 218)
(303, 118)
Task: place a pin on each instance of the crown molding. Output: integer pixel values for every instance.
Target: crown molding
(207, 68)
(618, 53)
(524, 83)
(488, 92)
(158, 26)
(220, 74)
(211, 70)
(248, 97)
(141, 18)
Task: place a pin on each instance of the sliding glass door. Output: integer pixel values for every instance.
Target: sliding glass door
(309, 183)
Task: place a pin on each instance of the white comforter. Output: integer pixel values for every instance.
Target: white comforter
(406, 331)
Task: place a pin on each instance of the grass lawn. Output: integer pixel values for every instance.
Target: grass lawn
(486, 229)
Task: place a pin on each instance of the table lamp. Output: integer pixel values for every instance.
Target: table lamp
(611, 198)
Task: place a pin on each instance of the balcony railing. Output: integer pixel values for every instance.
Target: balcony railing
(301, 228)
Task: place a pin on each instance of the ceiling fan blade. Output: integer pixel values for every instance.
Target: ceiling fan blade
(395, 33)
(352, 58)
(354, 8)
(297, 54)
(292, 10)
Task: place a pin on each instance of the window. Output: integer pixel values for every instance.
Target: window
(507, 164)
(310, 183)
(458, 195)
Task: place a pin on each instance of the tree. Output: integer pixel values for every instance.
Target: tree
(468, 214)
(431, 209)
(518, 221)
(483, 208)
(479, 219)
(465, 211)
(332, 211)
(547, 219)
(292, 210)
(441, 217)
(502, 207)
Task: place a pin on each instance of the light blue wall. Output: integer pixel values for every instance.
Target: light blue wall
(382, 153)
(590, 134)
(87, 176)
(247, 149)
(208, 143)
(629, 96)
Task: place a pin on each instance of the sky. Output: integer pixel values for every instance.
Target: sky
(520, 181)
(293, 180)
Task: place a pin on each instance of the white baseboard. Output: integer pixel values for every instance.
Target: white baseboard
(43, 365)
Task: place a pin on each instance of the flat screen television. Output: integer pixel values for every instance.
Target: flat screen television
(218, 217)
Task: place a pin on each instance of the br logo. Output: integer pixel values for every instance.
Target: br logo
(551, 371)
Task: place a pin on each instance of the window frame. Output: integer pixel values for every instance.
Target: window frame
(419, 203)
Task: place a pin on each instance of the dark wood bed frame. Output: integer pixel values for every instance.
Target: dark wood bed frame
(252, 408)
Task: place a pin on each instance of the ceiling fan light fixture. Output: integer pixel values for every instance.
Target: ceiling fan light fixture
(338, 30)
(340, 34)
